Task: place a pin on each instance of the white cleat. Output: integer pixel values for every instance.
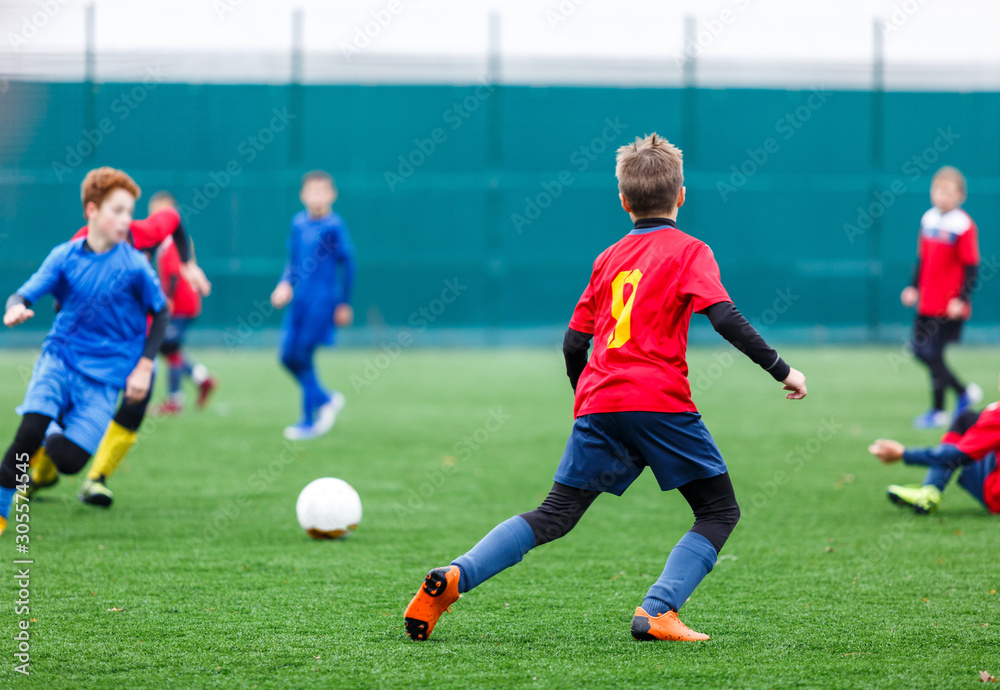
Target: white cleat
(326, 416)
(974, 393)
(300, 432)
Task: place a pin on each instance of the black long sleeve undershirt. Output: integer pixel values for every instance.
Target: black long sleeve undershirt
(182, 242)
(16, 299)
(971, 273)
(915, 275)
(157, 330)
(727, 321)
(575, 347)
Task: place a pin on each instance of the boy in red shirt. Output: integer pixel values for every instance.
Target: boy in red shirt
(943, 278)
(633, 401)
(971, 444)
(185, 306)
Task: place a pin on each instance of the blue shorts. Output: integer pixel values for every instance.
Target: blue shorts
(973, 476)
(82, 406)
(174, 336)
(608, 450)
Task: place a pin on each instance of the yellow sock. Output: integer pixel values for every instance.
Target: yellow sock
(114, 447)
(43, 470)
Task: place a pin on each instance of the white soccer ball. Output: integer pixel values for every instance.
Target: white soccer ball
(328, 508)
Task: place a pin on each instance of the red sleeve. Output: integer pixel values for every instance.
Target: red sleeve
(701, 281)
(968, 246)
(168, 265)
(983, 436)
(82, 232)
(149, 232)
(583, 315)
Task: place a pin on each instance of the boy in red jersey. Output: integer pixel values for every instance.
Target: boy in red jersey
(145, 235)
(633, 401)
(971, 444)
(185, 306)
(943, 278)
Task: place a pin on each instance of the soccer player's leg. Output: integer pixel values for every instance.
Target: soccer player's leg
(171, 351)
(682, 454)
(116, 441)
(930, 336)
(973, 477)
(27, 439)
(319, 408)
(926, 497)
(44, 473)
(594, 461)
(46, 397)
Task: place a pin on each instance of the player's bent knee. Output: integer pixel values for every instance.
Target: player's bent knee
(559, 512)
(68, 457)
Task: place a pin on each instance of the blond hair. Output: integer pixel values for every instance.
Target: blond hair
(650, 175)
(950, 172)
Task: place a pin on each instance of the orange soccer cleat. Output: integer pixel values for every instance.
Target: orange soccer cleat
(666, 626)
(435, 596)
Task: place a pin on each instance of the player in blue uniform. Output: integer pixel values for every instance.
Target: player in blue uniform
(316, 287)
(98, 344)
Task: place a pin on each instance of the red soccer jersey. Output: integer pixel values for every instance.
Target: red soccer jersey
(948, 243)
(184, 300)
(638, 305)
(148, 232)
(983, 438)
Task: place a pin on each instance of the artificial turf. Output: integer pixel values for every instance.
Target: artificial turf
(199, 575)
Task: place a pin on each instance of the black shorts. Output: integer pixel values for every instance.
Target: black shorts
(933, 329)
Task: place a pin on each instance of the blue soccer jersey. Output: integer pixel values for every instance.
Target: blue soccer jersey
(321, 270)
(100, 330)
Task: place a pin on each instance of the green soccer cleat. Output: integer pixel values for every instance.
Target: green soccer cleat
(96, 493)
(922, 499)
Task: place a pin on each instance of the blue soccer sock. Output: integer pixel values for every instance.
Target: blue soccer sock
(6, 498)
(504, 546)
(313, 394)
(687, 565)
(938, 476)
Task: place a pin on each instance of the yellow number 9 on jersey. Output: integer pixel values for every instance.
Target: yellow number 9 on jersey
(622, 310)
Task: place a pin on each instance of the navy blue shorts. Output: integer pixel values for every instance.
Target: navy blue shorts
(608, 450)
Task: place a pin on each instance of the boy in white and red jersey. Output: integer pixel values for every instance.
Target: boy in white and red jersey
(943, 278)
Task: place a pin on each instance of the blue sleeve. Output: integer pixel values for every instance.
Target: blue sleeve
(287, 274)
(348, 266)
(148, 288)
(45, 279)
(942, 455)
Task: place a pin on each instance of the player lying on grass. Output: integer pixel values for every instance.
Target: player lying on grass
(316, 288)
(98, 345)
(145, 235)
(633, 401)
(970, 445)
(943, 278)
(185, 306)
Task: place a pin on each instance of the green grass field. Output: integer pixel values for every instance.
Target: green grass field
(199, 576)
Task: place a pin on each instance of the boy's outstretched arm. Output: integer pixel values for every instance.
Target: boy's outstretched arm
(941, 455)
(575, 347)
(728, 322)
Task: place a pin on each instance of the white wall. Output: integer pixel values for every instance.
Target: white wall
(928, 43)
